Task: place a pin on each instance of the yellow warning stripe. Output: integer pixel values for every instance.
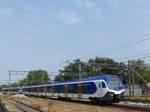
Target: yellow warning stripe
(79, 90)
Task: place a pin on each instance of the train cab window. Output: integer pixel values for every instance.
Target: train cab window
(99, 85)
(103, 85)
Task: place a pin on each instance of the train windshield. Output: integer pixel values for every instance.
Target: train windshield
(115, 83)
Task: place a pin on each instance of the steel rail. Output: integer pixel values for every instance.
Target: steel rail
(114, 105)
(24, 107)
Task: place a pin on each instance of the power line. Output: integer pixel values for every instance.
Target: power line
(16, 72)
(128, 43)
(141, 58)
(133, 56)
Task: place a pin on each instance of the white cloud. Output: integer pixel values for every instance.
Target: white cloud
(86, 3)
(69, 18)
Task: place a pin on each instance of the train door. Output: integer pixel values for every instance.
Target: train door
(103, 89)
(79, 90)
(66, 90)
(52, 91)
(45, 91)
(42, 91)
(48, 91)
(38, 91)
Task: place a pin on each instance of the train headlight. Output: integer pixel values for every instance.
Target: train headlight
(111, 94)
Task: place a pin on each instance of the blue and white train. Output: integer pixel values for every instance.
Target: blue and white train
(105, 88)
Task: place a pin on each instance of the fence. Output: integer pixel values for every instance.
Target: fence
(137, 90)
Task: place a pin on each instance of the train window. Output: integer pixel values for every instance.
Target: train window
(99, 85)
(35, 89)
(103, 85)
(57, 88)
(43, 89)
(48, 89)
(53, 89)
(72, 88)
(87, 87)
(61, 88)
(39, 89)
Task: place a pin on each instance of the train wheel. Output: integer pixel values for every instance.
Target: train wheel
(93, 100)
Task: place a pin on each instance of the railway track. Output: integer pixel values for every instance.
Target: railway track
(24, 107)
(2, 108)
(125, 106)
(132, 107)
(138, 101)
(122, 106)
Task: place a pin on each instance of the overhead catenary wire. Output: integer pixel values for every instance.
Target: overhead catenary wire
(132, 56)
(128, 43)
(141, 58)
(144, 57)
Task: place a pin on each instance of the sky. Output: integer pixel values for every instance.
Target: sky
(43, 34)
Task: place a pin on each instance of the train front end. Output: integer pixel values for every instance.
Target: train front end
(115, 88)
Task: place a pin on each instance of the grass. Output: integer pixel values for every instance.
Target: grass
(143, 97)
(10, 106)
(36, 103)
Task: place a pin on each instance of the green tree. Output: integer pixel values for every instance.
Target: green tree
(35, 77)
(141, 72)
(71, 71)
(96, 66)
(14, 84)
(3, 86)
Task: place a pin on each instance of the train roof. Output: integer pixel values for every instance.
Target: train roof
(104, 77)
(11, 88)
(99, 77)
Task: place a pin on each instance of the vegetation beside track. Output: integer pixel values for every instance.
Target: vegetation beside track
(9, 105)
(94, 66)
(2, 107)
(51, 105)
(36, 103)
(140, 98)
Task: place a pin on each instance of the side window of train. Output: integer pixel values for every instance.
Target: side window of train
(103, 85)
(86, 86)
(99, 85)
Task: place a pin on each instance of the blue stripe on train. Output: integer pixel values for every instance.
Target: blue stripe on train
(87, 88)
